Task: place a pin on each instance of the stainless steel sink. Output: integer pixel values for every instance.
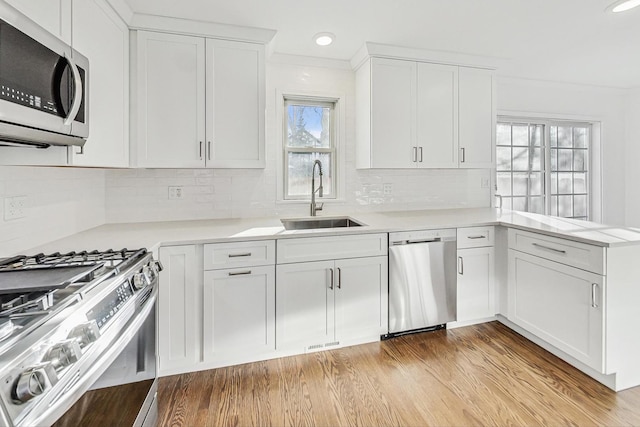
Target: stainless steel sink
(313, 223)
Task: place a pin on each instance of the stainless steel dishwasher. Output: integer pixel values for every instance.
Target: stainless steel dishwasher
(422, 281)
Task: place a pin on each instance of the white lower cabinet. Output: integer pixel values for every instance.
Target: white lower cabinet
(215, 317)
(476, 295)
(178, 311)
(562, 305)
(238, 312)
(331, 303)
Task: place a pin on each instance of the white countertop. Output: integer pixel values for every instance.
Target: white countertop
(152, 235)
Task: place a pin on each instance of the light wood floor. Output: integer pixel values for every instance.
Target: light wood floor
(483, 375)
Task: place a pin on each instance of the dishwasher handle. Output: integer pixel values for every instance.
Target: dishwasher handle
(410, 242)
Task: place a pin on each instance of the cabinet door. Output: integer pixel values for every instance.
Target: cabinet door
(235, 104)
(393, 111)
(238, 312)
(475, 296)
(169, 109)
(52, 15)
(476, 118)
(437, 116)
(178, 313)
(361, 294)
(100, 34)
(560, 304)
(305, 305)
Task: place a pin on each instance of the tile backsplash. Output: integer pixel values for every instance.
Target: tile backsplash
(143, 194)
(58, 202)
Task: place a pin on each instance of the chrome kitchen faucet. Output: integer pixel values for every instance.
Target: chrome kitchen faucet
(315, 208)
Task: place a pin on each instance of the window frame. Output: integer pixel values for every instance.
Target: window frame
(335, 149)
(546, 167)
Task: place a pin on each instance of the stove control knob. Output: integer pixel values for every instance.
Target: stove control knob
(85, 333)
(63, 354)
(140, 280)
(34, 381)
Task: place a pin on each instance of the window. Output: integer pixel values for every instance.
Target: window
(543, 167)
(310, 134)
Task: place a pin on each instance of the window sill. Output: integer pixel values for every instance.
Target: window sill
(306, 202)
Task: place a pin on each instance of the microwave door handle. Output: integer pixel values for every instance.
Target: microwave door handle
(77, 96)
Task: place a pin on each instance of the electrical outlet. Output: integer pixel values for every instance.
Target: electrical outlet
(484, 182)
(387, 189)
(15, 207)
(175, 193)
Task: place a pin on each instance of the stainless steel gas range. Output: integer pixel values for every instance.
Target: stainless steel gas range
(77, 339)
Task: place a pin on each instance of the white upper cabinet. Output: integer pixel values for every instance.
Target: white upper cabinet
(52, 15)
(100, 35)
(235, 104)
(392, 121)
(476, 117)
(168, 105)
(437, 121)
(417, 114)
(197, 102)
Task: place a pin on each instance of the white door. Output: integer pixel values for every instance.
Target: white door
(361, 288)
(235, 104)
(437, 116)
(178, 312)
(562, 305)
(476, 118)
(238, 312)
(52, 15)
(100, 34)
(475, 296)
(169, 115)
(393, 111)
(305, 305)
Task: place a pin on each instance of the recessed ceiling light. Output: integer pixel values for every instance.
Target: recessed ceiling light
(623, 5)
(325, 39)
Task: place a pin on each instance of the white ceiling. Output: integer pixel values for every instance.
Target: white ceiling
(558, 40)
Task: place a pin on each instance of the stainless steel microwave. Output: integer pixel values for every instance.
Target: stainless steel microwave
(43, 86)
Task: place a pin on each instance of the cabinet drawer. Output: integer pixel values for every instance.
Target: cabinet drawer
(333, 247)
(475, 237)
(239, 254)
(580, 255)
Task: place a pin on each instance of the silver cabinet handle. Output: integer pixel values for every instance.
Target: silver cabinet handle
(331, 282)
(477, 237)
(77, 92)
(339, 278)
(200, 150)
(460, 266)
(499, 196)
(463, 156)
(239, 273)
(415, 154)
(594, 295)
(209, 150)
(420, 154)
(560, 251)
(239, 255)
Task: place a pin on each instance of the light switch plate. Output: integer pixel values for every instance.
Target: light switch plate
(15, 207)
(175, 193)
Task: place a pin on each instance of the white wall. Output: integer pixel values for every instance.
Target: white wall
(559, 100)
(142, 195)
(633, 158)
(59, 202)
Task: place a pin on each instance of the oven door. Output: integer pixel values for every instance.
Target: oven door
(42, 80)
(126, 393)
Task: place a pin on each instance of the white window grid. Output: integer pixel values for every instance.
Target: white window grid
(545, 194)
(331, 150)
